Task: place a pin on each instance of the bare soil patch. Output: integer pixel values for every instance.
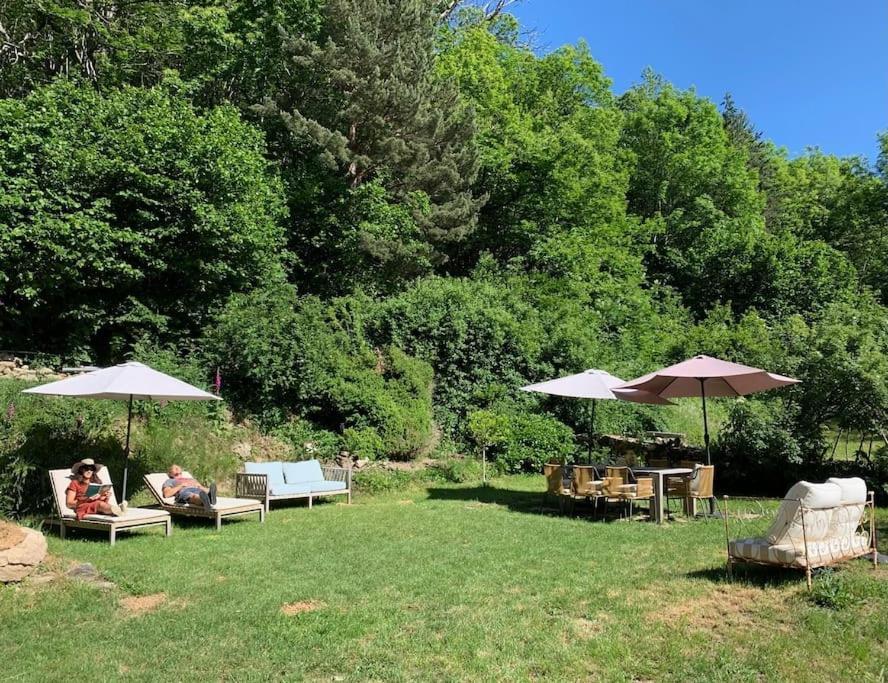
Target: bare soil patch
(587, 628)
(726, 609)
(136, 605)
(10, 535)
(291, 609)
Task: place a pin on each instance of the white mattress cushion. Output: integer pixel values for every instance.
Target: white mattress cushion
(853, 488)
(846, 519)
(818, 501)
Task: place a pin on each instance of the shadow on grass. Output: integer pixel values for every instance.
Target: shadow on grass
(759, 576)
(527, 502)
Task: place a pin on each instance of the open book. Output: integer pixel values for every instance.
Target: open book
(93, 489)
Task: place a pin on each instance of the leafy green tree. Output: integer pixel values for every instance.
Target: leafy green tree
(842, 202)
(548, 133)
(127, 214)
(105, 42)
(681, 153)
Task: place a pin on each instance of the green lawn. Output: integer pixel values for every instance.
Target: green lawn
(442, 583)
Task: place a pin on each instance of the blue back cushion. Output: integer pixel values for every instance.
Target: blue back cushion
(303, 472)
(274, 470)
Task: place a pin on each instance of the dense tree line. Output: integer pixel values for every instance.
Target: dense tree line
(378, 218)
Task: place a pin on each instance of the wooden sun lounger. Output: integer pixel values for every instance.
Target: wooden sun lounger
(135, 518)
(224, 507)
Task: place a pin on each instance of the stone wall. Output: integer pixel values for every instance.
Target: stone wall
(15, 368)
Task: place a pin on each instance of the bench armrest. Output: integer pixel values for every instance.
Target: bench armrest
(338, 474)
(251, 485)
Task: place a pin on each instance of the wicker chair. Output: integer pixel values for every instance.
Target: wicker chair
(586, 484)
(644, 490)
(675, 484)
(697, 486)
(612, 489)
(620, 472)
(554, 474)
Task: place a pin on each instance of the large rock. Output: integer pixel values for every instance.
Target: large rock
(21, 559)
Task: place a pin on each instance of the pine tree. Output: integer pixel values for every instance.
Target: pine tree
(372, 107)
(742, 134)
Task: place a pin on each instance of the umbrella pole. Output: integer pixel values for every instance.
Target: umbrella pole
(126, 449)
(705, 421)
(591, 427)
(706, 437)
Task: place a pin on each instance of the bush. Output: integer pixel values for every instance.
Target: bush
(478, 337)
(458, 470)
(831, 590)
(521, 442)
(756, 451)
(307, 440)
(283, 356)
(364, 443)
(382, 480)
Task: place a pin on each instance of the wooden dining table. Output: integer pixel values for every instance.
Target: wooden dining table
(659, 474)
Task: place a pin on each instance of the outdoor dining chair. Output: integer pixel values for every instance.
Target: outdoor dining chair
(586, 485)
(697, 486)
(554, 474)
(644, 490)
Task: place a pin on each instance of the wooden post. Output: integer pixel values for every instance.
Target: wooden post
(484, 465)
(805, 541)
(728, 542)
(872, 507)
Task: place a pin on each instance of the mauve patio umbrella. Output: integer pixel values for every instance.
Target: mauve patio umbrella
(125, 382)
(706, 376)
(595, 385)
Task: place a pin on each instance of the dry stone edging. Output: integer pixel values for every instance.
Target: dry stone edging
(20, 560)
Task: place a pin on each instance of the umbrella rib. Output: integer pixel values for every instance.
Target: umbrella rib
(662, 391)
(731, 386)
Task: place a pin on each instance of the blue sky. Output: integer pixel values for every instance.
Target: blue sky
(809, 73)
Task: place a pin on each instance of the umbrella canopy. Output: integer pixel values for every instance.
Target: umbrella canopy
(122, 382)
(704, 375)
(707, 376)
(595, 385)
(125, 382)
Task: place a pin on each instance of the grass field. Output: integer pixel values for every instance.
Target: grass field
(443, 583)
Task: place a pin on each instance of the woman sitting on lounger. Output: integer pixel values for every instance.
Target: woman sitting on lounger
(76, 496)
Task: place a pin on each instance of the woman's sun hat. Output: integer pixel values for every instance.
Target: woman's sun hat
(86, 462)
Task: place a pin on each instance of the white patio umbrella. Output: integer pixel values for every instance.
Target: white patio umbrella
(125, 382)
(595, 385)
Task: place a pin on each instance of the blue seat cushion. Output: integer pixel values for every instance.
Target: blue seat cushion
(289, 489)
(326, 486)
(274, 471)
(303, 472)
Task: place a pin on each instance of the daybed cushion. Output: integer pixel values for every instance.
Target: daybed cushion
(60, 480)
(289, 489)
(818, 499)
(819, 553)
(327, 486)
(131, 514)
(156, 480)
(846, 519)
(274, 471)
(302, 472)
(853, 488)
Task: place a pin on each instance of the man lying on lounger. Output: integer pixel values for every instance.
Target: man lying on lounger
(188, 490)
